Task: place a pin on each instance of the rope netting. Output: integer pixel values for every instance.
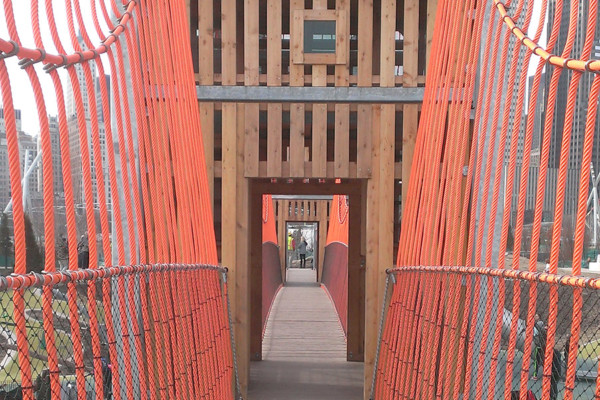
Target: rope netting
(495, 295)
(120, 302)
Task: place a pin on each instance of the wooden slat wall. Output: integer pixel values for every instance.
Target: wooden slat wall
(241, 152)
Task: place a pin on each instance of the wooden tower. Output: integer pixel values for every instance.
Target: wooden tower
(296, 94)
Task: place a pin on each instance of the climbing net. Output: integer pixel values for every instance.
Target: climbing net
(120, 301)
(493, 296)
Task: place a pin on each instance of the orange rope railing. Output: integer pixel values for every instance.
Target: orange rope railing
(136, 313)
(503, 188)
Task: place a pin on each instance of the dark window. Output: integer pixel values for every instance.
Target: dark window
(319, 37)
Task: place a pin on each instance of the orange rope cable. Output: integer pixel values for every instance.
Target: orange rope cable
(166, 221)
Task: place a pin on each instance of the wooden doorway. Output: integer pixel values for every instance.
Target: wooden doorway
(355, 190)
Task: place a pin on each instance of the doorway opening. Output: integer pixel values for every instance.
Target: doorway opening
(302, 245)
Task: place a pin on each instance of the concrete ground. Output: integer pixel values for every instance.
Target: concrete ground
(304, 349)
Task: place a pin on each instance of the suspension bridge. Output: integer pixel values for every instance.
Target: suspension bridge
(313, 199)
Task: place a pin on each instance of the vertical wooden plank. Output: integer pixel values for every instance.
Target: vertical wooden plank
(274, 142)
(296, 133)
(410, 111)
(365, 79)
(373, 268)
(342, 141)
(387, 136)
(207, 125)
(342, 111)
(410, 126)
(411, 43)
(381, 191)
(228, 42)
(251, 78)
(319, 115)
(205, 76)
(242, 239)
(232, 198)
(205, 42)
(431, 10)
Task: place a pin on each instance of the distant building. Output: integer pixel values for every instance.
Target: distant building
(74, 137)
(5, 191)
(580, 112)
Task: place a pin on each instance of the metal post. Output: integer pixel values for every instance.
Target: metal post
(238, 388)
(390, 277)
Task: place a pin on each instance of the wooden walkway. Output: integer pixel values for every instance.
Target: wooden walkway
(304, 349)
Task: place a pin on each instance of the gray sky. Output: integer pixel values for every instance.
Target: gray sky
(21, 88)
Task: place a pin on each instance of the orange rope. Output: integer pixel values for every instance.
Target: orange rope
(162, 310)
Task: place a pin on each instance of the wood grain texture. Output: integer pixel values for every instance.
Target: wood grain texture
(410, 122)
(373, 298)
(251, 78)
(411, 42)
(274, 142)
(431, 14)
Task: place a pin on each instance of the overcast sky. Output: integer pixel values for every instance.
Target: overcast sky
(21, 88)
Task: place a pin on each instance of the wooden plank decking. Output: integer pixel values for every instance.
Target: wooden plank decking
(304, 350)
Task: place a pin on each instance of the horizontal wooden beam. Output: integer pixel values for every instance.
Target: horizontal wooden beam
(285, 94)
(286, 168)
(285, 79)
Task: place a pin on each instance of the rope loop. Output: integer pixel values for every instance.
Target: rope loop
(51, 67)
(81, 59)
(13, 52)
(588, 68)
(27, 62)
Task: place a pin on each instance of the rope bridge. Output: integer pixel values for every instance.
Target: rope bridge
(125, 301)
(489, 299)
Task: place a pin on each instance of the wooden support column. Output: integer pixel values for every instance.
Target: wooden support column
(373, 268)
(319, 115)
(380, 190)
(206, 77)
(234, 225)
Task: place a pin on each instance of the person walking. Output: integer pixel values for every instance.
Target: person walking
(539, 339)
(290, 250)
(302, 252)
(555, 374)
(83, 253)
